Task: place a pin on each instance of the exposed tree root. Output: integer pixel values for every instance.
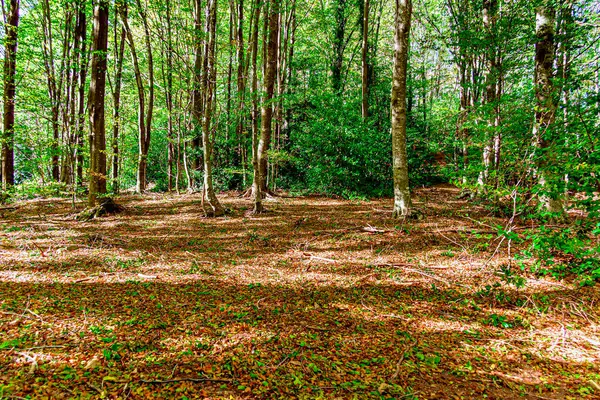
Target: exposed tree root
(107, 206)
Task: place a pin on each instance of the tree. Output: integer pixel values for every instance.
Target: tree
(97, 175)
(212, 206)
(119, 42)
(400, 158)
(365, 60)
(545, 110)
(259, 186)
(10, 64)
(339, 44)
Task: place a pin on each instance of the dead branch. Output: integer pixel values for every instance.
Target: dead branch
(159, 382)
(312, 257)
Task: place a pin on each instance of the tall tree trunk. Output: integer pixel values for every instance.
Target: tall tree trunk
(10, 64)
(400, 159)
(254, 93)
(212, 206)
(171, 156)
(52, 80)
(144, 134)
(267, 108)
(241, 88)
(545, 111)
(81, 34)
(119, 54)
(96, 104)
(197, 95)
(491, 86)
(365, 60)
(338, 45)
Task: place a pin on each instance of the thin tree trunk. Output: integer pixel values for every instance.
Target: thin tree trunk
(81, 34)
(171, 156)
(491, 80)
(119, 50)
(402, 201)
(10, 64)
(212, 206)
(338, 45)
(53, 92)
(144, 134)
(241, 88)
(267, 108)
(96, 104)
(197, 95)
(365, 61)
(255, 120)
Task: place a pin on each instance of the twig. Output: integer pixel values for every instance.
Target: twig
(318, 258)
(372, 229)
(95, 388)
(316, 328)
(426, 274)
(147, 276)
(364, 278)
(158, 382)
(43, 254)
(48, 347)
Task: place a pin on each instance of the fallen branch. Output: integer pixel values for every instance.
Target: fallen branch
(159, 382)
(147, 276)
(316, 328)
(372, 229)
(319, 258)
(437, 278)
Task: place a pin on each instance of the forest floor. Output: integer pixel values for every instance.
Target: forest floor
(302, 302)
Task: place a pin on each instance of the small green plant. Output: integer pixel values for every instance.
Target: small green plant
(499, 321)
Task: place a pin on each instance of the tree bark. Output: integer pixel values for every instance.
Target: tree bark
(338, 45)
(171, 156)
(491, 89)
(241, 88)
(197, 94)
(145, 133)
(10, 64)
(365, 61)
(54, 93)
(119, 54)
(545, 111)
(96, 104)
(257, 196)
(267, 108)
(81, 34)
(212, 206)
(402, 201)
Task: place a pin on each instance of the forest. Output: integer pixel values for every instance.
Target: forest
(315, 199)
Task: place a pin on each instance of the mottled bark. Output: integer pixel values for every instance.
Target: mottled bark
(545, 110)
(400, 159)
